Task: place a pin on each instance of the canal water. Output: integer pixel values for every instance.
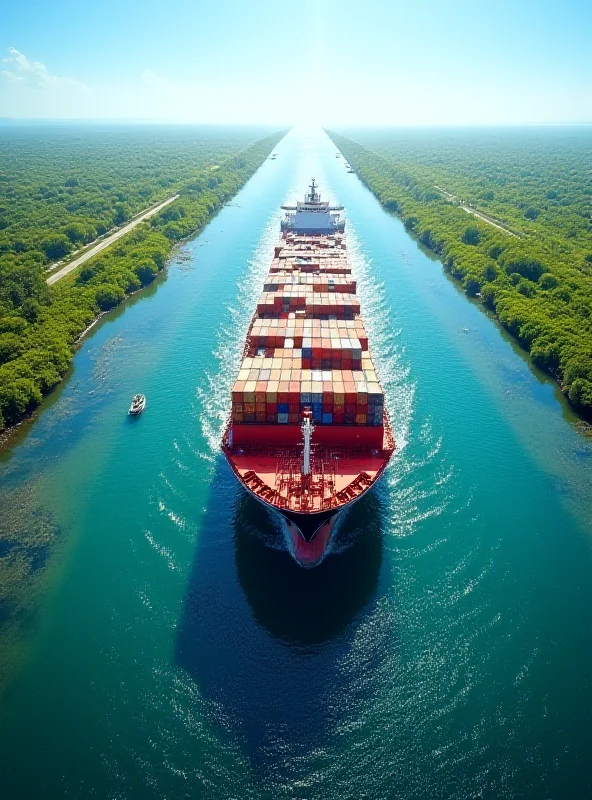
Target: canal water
(443, 647)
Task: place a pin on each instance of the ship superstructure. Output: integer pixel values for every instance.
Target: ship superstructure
(313, 216)
(309, 433)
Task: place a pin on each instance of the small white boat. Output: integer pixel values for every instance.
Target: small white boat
(138, 405)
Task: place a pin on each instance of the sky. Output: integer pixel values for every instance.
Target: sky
(370, 62)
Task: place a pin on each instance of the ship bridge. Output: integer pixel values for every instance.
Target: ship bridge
(313, 215)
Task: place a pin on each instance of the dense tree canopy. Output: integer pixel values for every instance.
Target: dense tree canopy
(62, 186)
(539, 282)
(40, 325)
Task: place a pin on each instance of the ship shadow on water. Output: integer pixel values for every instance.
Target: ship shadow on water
(301, 606)
(265, 639)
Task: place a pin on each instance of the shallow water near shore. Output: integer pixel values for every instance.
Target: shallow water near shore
(442, 649)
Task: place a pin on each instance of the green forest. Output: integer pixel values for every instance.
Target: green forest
(536, 276)
(59, 189)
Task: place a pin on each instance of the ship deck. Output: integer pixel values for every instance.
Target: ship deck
(338, 476)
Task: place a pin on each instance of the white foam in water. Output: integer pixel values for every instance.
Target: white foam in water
(165, 552)
(214, 402)
(388, 358)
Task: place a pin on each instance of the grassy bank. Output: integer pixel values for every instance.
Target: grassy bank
(539, 286)
(40, 325)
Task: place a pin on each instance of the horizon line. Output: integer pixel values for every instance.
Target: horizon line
(148, 121)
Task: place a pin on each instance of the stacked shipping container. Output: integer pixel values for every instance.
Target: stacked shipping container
(307, 347)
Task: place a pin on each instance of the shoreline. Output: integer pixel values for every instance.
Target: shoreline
(225, 193)
(490, 312)
(583, 415)
(8, 433)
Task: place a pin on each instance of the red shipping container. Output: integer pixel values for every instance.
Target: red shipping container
(282, 394)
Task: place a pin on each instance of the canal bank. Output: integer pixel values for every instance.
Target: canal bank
(178, 650)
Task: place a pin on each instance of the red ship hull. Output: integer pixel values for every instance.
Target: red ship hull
(310, 552)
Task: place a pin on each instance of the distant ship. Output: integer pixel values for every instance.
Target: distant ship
(309, 433)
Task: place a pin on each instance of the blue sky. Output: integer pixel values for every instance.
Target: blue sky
(334, 63)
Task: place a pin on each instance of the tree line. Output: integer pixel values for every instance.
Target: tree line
(538, 284)
(39, 325)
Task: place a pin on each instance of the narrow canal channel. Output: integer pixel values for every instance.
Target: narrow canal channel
(441, 650)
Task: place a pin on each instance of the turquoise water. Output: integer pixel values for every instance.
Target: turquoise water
(442, 649)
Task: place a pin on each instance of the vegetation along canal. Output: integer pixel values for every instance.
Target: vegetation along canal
(441, 650)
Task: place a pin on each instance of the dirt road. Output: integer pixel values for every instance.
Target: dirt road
(108, 241)
(452, 199)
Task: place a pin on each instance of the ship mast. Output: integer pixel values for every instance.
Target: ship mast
(313, 197)
(307, 429)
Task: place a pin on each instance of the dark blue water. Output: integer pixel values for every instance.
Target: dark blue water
(441, 650)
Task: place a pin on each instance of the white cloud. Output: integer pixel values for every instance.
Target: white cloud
(152, 79)
(33, 73)
(11, 77)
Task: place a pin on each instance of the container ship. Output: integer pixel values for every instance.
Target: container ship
(308, 433)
